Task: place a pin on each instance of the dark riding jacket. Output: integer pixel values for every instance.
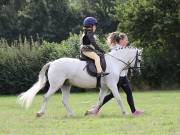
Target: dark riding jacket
(88, 42)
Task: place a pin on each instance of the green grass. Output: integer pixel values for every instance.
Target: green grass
(162, 116)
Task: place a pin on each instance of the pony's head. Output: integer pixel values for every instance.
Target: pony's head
(129, 56)
(134, 62)
(136, 70)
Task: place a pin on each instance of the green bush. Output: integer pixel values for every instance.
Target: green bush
(21, 62)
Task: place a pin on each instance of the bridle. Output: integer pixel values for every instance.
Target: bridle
(135, 67)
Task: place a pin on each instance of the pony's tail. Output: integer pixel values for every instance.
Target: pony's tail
(26, 98)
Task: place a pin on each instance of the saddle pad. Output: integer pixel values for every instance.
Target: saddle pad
(91, 68)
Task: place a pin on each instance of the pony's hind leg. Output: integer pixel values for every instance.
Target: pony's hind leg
(51, 91)
(65, 94)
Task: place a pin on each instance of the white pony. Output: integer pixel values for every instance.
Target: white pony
(65, 72)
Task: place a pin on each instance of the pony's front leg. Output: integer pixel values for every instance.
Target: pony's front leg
(95, 109)
(102, 94)
(117, 96)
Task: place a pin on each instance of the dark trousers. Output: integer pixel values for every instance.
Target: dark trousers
(124, 84)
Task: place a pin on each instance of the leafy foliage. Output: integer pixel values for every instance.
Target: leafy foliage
(154, 25)
(21, 62)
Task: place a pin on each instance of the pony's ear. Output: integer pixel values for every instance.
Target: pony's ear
(141, 51)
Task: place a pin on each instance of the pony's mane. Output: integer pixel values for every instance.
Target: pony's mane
(125, 48)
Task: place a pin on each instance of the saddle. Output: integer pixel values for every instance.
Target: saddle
(91, 67)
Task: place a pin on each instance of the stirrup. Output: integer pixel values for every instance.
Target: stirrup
(102, 74)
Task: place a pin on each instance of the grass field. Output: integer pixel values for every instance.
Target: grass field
(162, 116)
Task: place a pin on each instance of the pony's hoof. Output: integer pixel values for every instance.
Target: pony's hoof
(86, 113)
(39, 114)
(125, 113)
(90, 113)
(71, 115)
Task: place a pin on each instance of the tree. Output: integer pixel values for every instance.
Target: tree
(103, 10)
(8, 18)
(52, 20)
(154, 25)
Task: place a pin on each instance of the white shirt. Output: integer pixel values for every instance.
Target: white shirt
(123, 72)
